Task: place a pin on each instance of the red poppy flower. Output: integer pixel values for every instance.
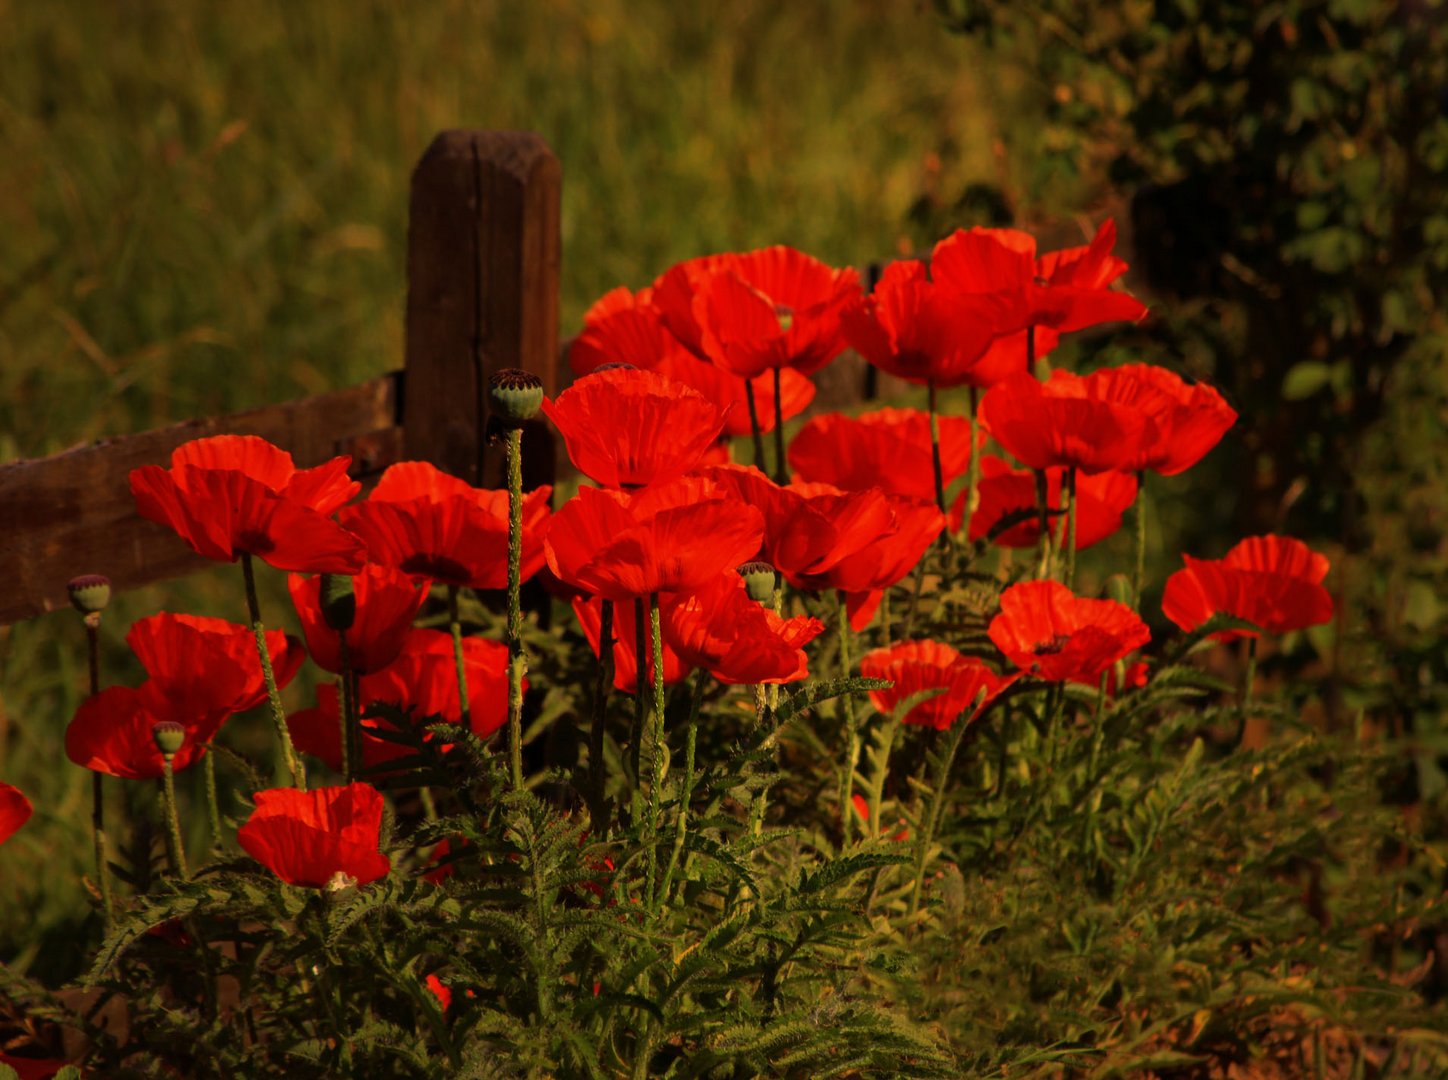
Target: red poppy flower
(423, 681)
(887, 448)
(771, 308)
(440, 991)
(625, 644)
(310, 837)
(865, 575)
(1188, 418)
(808, 528)
(201, 671)
(386, 603)
(738, 640)
(1272, 581)
(1050, 632)
(1068, 421)
(920, 332)
(1103, 498)
(666, 538)
(965, 684)
(1064, 290)
(728, 392)
(434, 526)
(15, 811)
(672, 296)
(234, 494)
(628, 427)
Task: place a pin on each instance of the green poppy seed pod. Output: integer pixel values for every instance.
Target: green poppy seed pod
(89, 593)
(516, 395)
(1118, 588)
(339, 602)
(785, 314)
(169, 736)
(758, 581)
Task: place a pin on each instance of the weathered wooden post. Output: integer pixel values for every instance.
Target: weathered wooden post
(482, 294)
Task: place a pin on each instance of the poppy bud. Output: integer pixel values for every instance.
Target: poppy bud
(89, 593)
(339, 882)
(516, 395)
(758, 581)
(169, 736)
(338, 601)
(1118, 588)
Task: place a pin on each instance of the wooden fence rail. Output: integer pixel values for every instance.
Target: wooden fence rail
(482, 294)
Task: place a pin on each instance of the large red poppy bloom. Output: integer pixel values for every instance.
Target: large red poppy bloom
(735, 638)
(669, 537)
(672, 296)
(15, 811)
(434, 526)
(923, 333)
(963, 684)
(1273, 581)
(232, 494)
(771, 308)
(888, 448)
(865, 575)
(310, 837)
(201, 671)
(1187, 418)
(1102, 500)
(387, 601)
(627, 427)
(808, 528)
(625, 644)
(1061, 291)
(1068, 421)
(1048, 631)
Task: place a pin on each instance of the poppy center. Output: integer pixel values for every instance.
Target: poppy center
(1052, 647)
(256, 543)
(437, 567)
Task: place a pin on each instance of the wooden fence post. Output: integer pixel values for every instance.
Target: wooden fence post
(482, 294)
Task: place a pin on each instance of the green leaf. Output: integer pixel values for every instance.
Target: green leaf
(1305, 378)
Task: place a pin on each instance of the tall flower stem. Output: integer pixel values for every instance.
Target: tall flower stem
(972, 476)
(681, 826)
(1098, 736)
(935, 445)
(754, 427)
(1043, 505)
(517, 661)
(351, 743)
(641, 646)
(852, 727)
(455, 627)
(1071, 510)
(1031, 350)
(213, 804)
(175, 852)
(945, 759)
(98, 798)
(781, 467)
(1140, 516)
(656, 756)
(1249, 678)
(274, 697)
(601, 686)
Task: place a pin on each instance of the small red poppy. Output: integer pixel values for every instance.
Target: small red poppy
(434, 526)
(387, 601)
(15, 811)
(232, 494)
(918, 331)
(862, 811)
(736, 639)
(672, 296)
(1064, 290)
(1067, 421)
(628, 427)
(1272, 581)
(772, 308)
(966, 685)
(440, 991)
(1103, 499)
(625, 644)
(1188, 418)
(670, 537)
(313, 838)
(887, 448)
(1048, 631)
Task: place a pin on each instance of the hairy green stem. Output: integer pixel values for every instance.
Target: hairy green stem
(213, 804)
(601, 687)
(641, 646)
(656, 757)
(686, 783)
(1140, 515)
(98, 794)
(1070, 492)
(175, 852)
(274, 697)
(1249, 679)
(1043, 506)
(781, 467)
(759, 462)
(455, 627)
(852, 728)
(972, 476)
(935, 445)
(517, 660)
(953, 736)
(351, 744)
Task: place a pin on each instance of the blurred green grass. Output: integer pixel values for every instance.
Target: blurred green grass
(203, 209)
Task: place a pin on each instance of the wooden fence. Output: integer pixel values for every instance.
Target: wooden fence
(482, 294)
